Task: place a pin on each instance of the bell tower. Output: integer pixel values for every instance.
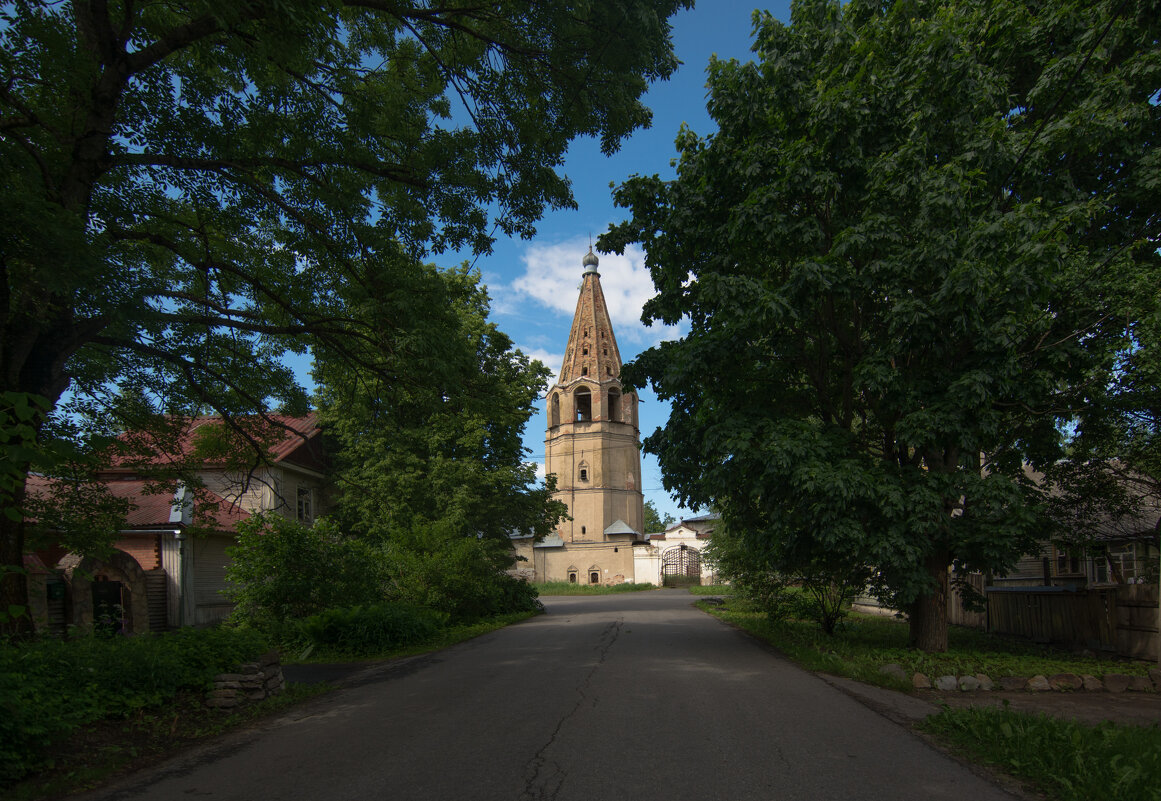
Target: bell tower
(592, 444)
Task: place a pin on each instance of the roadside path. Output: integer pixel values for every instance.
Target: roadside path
(635, 696)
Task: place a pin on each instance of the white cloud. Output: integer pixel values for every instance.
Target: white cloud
(552, 360)
(552, 276)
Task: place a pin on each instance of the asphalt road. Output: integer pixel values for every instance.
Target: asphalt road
(636, 696)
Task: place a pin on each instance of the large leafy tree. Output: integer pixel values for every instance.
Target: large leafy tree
(187, 190)
(923, 237)
(432, 435)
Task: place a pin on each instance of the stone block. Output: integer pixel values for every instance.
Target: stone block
(946, 683)
(250, 667)
(252, 681)
(256, 695)
(1140, 684)
(1038, 684)
(968, 683)
(1065, 681)
(229, 677)
(985, 682)
(227, 685)
(1092, 683)
(272, 683)
(1155, 677)
(222, 703)
(920, 681)
(270, 658)
(1013, 682)
(1116, 682)
(275, 690)
(895, 671)
(222, 693)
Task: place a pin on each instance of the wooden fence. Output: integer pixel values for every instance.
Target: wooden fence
(1120, 619)
(957, 615)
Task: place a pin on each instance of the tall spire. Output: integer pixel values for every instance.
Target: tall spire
(592, 349)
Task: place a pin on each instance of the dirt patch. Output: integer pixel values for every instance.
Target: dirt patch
(1138, 709)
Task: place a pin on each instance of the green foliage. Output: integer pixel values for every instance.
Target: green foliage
(371, 629)
(1069, 761)
(571, 588)
(714, 589)
(190, 192)
(811, 586)
(51, 687)
(865, 643)
(461, 577)
(283, 571)
(433, 435)
(919, 238)
(654, 522)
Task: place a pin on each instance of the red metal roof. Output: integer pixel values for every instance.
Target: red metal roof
(281, 434)
(152, 510)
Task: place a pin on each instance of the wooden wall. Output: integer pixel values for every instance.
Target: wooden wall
(1121, 619)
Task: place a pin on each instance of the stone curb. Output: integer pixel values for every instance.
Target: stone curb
(1059, 682)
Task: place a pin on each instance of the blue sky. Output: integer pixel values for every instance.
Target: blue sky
(533, 284)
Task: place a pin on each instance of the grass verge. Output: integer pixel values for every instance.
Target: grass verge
(1068, 760)
(568, 588)
(867, 642)
(442, 639)
(101, 751)
(711, 589)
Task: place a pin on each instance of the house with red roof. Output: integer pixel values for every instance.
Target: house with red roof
(169, 561)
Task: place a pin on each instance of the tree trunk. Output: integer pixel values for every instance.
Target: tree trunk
(928, 615)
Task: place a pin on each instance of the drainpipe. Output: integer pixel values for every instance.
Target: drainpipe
(180, 513)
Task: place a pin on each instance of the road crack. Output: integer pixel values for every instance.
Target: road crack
(543, 777)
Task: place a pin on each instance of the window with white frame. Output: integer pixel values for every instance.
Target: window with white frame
(306, 504)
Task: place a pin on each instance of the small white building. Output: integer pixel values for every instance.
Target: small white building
(677, 552)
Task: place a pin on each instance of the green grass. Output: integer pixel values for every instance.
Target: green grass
(442, 639)
(712, 589)
(568, 588)
(1068, 760)
(103, 750)
(867, 642)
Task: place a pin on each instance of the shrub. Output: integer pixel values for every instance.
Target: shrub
(49, 688)
(373, 628)
(460, 576)
(282, 570)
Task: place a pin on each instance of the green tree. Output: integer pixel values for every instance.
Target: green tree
(432, 435)
(918, 242)
(283, 571)
(187, 190)
(654, 522)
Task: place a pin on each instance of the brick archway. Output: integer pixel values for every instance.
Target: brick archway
(80, 573)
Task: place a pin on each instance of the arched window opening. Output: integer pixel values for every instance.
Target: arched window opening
(594, 577)
(608, 369)
(583, 471)
(583, 403)
(582, 530)
(572, 577)
(584, 351)
(614, 405)
(554, 411)
(584, 371)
